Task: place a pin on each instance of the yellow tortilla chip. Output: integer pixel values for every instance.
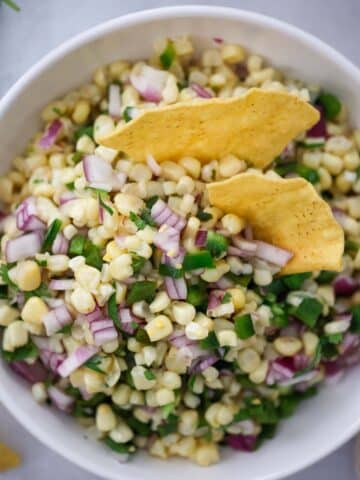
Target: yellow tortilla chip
(8, 458)
(286, 213)
(256, 127)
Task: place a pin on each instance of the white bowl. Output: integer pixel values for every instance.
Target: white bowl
(323, 423)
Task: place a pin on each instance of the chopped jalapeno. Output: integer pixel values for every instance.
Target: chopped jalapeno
(216, 244)
(168, 55)
(308, 311)
(195, 260)
(330, 103)
(144, 290)
(244, 326)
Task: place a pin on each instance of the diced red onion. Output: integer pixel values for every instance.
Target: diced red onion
(43, 343)
(270, 253)
(67, 196)
(51, 134)
(349, 343)
(168, 240)
(340, 216)
(95, 315)
(224, 283)
(344, 285)
(60, 399)
(149, 82)
(127, 318)
(218, 40)
(201, 91)
(176, 260)
(105, 335)
(52, 360)
(60, 245)
(179, 340)
(153, 165)
(22, 247)
(247, 246)
(99, 173)
(215, 297)
(203, 364)
(245, 443)
(76, 359)
(241, 70)
(114, 101)
(306, 377)
(101, 325)
(61, 284)
(26, 216)
(56, 319)
(176, 288)
(162, 214)
(32, 373)
(238, 252)
(319, 129)
(201, 237)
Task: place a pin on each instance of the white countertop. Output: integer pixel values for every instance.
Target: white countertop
(41, 25)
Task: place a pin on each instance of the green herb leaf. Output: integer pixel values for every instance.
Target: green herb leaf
(169, 271)
(65, 330)
(330, 103)
(77, 157)
(112, 309)
(308, 311)
(70, 186)
(104, 205)
(216, 244)
(12, 5)
(168, 55)
(22, 353)
(92, 255)
(137, 262)
(4, 274)
(141, 336)
(42, 291)
(210, 342)
(93, 363)
(168, 409)
(170, 426)
(128, 114)
(51, 234)
(244, 326)
(355, 322)
(149, 375)
(142, 220)
(119, 447)
(85, 130)
(351, 246)
(195, 260)
(335, 338)
(144, 290)
(204, 216)
(227, 298)
(150, 202)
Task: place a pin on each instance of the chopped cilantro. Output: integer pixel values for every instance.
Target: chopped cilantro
(210, 342)
(70, 186)
(51, 234)
(137, 262)
(93, 363)
(204, 216)
(168, 409)
(149, 375)
(112, 310)
(85, 130)
(77, 157)
(27, 351)
(227, 298)
(144, 290)
(122, 448)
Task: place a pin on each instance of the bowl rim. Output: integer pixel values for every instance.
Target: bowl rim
(99, 31)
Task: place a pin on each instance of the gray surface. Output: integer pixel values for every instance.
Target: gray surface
(44, 24)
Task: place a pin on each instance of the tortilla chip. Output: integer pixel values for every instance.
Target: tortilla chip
(286, 213)
(256, 127)
(8, 458)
